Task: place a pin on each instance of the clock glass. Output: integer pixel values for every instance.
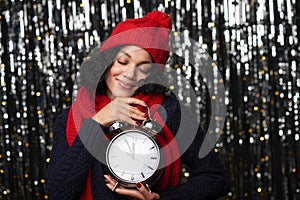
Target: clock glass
(133, 156)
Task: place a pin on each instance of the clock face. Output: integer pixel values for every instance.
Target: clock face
(133, 156)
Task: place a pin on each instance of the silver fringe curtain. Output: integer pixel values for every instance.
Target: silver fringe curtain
(253, 43)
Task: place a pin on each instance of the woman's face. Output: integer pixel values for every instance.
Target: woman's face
(129, 70)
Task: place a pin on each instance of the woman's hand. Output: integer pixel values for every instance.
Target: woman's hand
(121, 109)
(138, 193)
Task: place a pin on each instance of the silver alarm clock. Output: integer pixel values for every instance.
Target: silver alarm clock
(133, 154)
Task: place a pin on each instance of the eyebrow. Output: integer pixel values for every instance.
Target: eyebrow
(142, 62)
(127, 54)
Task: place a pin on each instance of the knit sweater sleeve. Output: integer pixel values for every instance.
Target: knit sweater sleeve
(69, 166)
(209, 179)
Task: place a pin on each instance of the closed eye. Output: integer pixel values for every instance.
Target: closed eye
(146, 72)
(145, 68)
(121, 62)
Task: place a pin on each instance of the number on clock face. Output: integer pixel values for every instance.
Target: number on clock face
(133, 156)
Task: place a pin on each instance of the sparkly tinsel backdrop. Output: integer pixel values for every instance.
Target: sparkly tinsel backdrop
(255, 46)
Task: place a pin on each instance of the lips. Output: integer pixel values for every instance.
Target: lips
(126, 85)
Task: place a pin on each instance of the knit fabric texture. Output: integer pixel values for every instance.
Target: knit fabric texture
(150, 33)
(85, 107)
(69, 166)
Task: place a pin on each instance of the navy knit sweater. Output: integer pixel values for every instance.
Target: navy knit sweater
(69, 166)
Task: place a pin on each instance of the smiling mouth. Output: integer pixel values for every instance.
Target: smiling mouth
(126, 85)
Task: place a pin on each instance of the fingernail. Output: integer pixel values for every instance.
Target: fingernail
(138, 185)
(138, 123)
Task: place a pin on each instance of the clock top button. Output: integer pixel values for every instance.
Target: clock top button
(115, 127)
(153, 125)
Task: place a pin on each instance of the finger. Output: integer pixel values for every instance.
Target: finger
(136, 101)
(136, 113)
(109, 179)
(120, 110)
(124, 115)
(112, 184)
(122, 106)
(142, 189)
(146, 192)
(130, 192)
(130, 114)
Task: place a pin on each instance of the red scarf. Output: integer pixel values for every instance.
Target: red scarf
(83, 108)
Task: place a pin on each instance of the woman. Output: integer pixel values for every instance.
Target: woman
(136, 53)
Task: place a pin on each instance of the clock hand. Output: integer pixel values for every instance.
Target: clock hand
(146, 164)
(130, 150)
(133, 150)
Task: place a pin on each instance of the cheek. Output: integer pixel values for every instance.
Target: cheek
(142, 77)
(114, 70)
(111, 74)
(109, 77)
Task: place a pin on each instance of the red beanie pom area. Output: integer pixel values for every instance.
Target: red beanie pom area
(150, 33)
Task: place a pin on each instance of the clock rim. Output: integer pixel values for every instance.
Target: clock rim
(157, 172)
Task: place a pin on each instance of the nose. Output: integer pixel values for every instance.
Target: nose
(130, 73)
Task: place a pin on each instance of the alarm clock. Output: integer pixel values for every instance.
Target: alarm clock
(133, 154)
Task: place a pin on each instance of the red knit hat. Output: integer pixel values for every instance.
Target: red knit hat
(150, 33)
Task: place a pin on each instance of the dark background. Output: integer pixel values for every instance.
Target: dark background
(254, 45)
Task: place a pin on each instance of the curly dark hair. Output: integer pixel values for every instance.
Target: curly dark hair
(94, 69)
